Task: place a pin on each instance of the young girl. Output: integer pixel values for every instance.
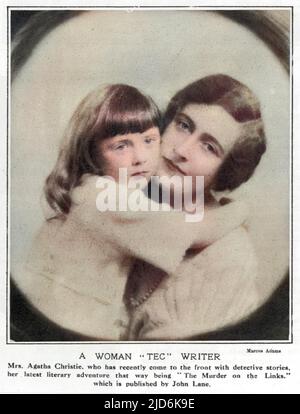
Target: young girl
(76, 272)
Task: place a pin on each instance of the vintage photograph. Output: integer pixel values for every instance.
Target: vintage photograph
(157, 93)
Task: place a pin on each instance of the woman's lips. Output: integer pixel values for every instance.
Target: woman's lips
(173, 166)
(140, 173)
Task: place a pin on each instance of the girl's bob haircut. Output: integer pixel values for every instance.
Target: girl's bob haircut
(239, 101)
(106, 112)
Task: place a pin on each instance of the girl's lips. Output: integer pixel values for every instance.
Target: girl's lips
(173, 166)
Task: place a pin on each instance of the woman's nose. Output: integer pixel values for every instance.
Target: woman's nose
(183, 150)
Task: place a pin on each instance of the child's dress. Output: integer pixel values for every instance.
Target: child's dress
(77, 269)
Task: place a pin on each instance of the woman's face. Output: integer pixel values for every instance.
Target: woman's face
(138, 153)
(196, 142)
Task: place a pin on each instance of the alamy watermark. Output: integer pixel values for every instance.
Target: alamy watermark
(180, 193)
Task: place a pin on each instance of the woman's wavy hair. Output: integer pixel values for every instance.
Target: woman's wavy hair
(238, 100)
(106, 112)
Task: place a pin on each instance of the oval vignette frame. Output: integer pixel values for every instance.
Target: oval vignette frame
(274, 30)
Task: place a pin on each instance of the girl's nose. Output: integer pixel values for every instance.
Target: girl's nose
(139, 156)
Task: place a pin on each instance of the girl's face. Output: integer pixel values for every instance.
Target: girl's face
(197, 141)
(137, 152)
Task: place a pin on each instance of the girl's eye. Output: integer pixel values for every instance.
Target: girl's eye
(120, 147)
(148, 140)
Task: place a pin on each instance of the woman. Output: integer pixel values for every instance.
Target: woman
(213, 128)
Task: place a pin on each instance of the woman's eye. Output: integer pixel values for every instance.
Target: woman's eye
(183, 125)
(209, 147)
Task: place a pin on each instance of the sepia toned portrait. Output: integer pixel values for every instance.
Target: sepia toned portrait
(161, 95)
